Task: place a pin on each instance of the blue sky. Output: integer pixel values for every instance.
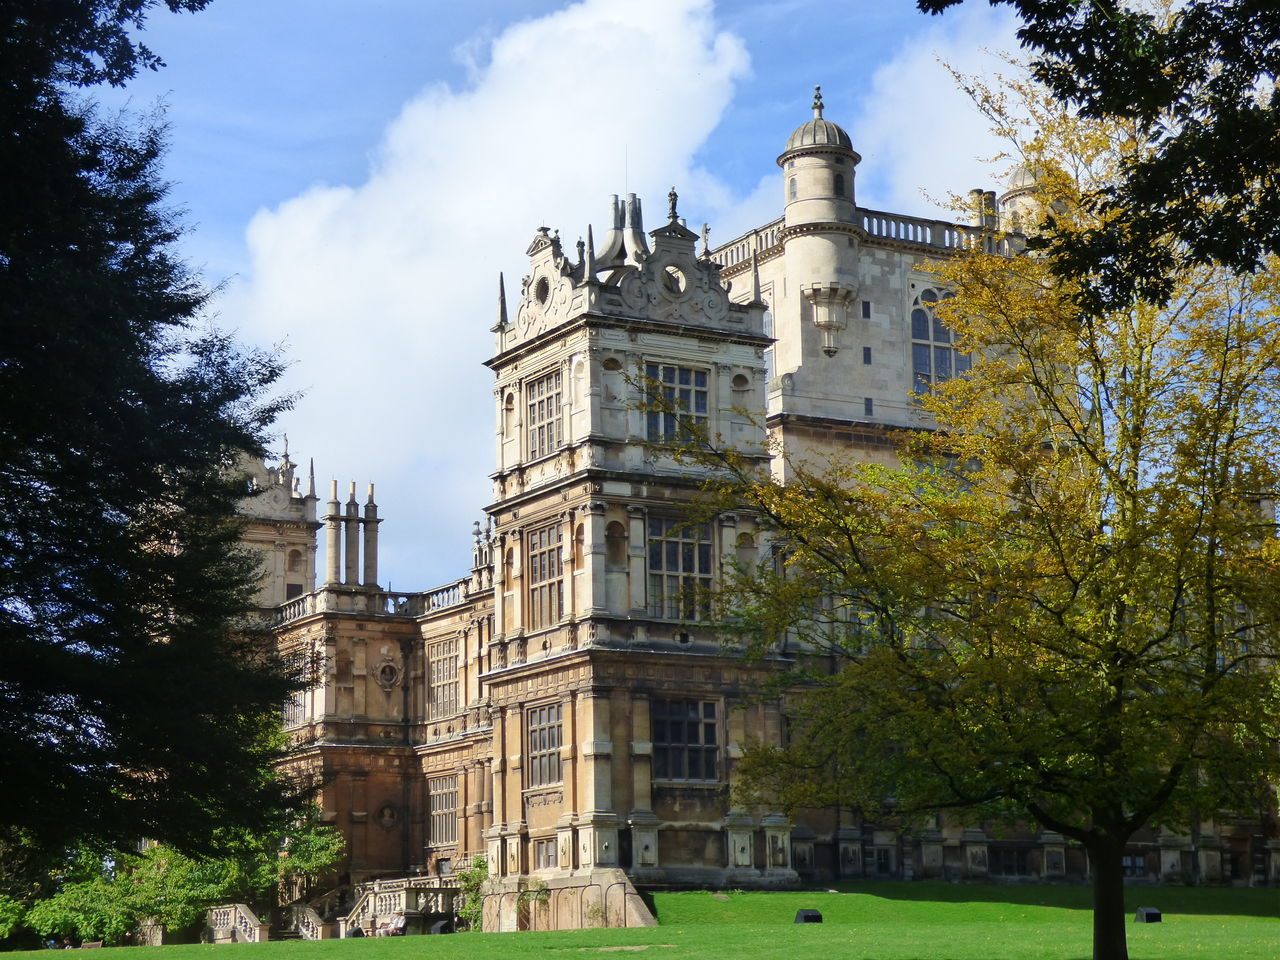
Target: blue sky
(355, 173)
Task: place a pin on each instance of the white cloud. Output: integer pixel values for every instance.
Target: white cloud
(921, 138)
(385, 291)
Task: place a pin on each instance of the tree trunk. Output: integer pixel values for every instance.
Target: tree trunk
(1109, 941)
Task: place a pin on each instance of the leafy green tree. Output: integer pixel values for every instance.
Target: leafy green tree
(1196, 80)
(86, 905)
(95, 899)
(11, 914)
(470, 905)
(134, 701)
(1063, 606)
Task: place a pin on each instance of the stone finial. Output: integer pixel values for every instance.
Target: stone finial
(706, 237)
(502, 304)
(817, 102)
(672, 197)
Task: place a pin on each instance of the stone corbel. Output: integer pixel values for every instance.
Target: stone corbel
(830, 304)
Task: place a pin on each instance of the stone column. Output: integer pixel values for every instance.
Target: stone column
(513, 801)
(569, 567)
(594, 597)
(468, 807)
(641, 819)
(513, 754)
(735, 727)
(359, 675)
(330, 675)
(516, 540)
(728, 544)
(497, 788)
(595, 391)
(499, 445)
(500, 583)
(566, 833)
(598, 825)
(638, 554)
(486, 793)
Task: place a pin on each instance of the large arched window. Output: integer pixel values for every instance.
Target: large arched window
(933, 357)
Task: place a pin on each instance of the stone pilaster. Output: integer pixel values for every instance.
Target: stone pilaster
(1053, 852)
(849, 852)
(973, 843)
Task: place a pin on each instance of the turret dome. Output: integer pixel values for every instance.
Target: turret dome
(818, 132)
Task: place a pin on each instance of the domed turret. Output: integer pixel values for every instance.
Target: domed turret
(817, 170)
(817, 132)
(820, 232)
(1018, 206)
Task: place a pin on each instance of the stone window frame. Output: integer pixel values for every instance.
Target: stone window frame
(1008, 860)
(685, 392)
(681, 568)
(443, 677)
(934, 359)
(543, 853)
(442, 810)
(544, 574)
(297, 709)
(544, 735)
(544, 426)
(686, 740)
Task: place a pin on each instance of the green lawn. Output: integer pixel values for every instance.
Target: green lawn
(899, 921)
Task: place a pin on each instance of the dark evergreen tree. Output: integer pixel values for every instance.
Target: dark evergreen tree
(135, 700)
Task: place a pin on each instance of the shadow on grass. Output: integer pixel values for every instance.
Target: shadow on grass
(646, 897)
(1221, 901)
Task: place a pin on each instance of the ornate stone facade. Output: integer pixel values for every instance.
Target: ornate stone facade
(562, 708)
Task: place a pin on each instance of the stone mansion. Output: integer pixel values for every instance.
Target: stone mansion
(560, 708)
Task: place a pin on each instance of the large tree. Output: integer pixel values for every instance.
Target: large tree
(134, 700)
(1064, 606)
(89, 898)
(1197, 80)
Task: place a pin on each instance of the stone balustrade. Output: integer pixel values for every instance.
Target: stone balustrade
(876, 224)
(236, 923)
(380, 901)
(374, 602)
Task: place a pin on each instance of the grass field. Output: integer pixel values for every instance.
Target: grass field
(870, 921)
